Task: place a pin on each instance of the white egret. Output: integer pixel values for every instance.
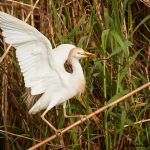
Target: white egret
(43, 67)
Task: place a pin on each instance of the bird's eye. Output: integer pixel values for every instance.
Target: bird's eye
(78, 52)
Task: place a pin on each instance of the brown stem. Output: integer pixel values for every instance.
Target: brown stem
(92, 114)
(7, 50)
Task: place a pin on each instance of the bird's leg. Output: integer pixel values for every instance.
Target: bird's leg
(50, 125)
(72, 116)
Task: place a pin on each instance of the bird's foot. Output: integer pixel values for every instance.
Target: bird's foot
(78, 116)
(59, 132)
(82, 117)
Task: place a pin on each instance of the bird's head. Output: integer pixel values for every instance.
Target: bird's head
(78, 53)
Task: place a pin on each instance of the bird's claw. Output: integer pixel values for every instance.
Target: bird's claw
(59, 132)
(87, 119)
(82, 117)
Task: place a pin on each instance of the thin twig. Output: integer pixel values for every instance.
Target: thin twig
(4, 55)
(7, 50)
(91, 115)
(146, 2)
(138, 122)
(21, 3)
(31, 11)
(17, 135)
(24, 137)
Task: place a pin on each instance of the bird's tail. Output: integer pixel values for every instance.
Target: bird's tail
(41, 104)
(30, 99)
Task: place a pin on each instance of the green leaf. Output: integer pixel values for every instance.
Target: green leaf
(128, 65)
(142, 22)
(118, 39)
(115, 97)
(105, 34)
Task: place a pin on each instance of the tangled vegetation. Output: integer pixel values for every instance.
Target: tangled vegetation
(118, 32)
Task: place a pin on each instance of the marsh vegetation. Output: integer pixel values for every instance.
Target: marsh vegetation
(118, 32)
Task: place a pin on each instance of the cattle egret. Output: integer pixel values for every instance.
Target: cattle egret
(43, 67)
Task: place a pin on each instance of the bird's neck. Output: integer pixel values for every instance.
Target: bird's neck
(78, 75)
(76, 67)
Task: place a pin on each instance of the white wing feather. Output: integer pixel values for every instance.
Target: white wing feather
(33, 51)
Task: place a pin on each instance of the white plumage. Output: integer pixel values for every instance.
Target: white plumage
(43, 67)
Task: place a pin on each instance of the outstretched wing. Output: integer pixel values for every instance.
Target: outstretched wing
(33, 51)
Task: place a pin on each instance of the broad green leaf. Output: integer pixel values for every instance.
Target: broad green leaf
(105, 34)
(128, 65)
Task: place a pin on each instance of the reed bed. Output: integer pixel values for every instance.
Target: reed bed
(118, 32)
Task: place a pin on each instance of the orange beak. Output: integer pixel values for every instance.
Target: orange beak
(88, 54)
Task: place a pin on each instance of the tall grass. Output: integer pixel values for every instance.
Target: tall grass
(118, 33)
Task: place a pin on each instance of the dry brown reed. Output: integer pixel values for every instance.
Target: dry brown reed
(85, 24)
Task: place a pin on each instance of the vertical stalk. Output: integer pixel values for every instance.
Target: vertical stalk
(104, 71)
(105, 34)
(104, 43)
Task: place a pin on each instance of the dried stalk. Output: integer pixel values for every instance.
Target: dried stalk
(21, 3)
(92, 114)
(138, 122)
(7, 50)
(5, 101)
(146, 2)
(22, 136)
(17, 135)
